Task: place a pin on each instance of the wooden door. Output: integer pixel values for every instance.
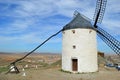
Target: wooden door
(74, 64)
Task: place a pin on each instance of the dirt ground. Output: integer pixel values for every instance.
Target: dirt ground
(56, 74)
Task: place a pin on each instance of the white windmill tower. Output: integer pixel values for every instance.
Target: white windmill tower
(79, 48)
(79, 52)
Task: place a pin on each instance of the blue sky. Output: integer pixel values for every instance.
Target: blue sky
(24, 24)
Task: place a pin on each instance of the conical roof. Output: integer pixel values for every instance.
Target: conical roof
(79, 21)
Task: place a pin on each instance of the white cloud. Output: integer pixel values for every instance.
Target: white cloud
(42, 8)
(17, 26)
(111, 20)
(31, 37)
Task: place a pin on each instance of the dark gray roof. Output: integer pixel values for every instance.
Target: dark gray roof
(79, 21)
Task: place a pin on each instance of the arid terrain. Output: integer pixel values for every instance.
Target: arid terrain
(48, 67)
(56, 74)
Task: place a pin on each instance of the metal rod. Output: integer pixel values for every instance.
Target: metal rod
(36, 48)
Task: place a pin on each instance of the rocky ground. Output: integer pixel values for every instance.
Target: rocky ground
(57, 74)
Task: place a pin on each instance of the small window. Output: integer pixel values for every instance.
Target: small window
(73, 31)
(90, 31)
(63, 32)
(74, 47)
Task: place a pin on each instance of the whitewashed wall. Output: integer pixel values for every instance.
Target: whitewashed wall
(85, 51)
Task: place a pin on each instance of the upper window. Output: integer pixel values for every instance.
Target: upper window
(73, 31)
(90, 31)
(74, 47)
(63, 32)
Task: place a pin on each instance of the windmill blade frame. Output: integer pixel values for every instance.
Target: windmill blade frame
(99, 11)
(109, 40)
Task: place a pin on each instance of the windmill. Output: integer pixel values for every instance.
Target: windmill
(105, 36)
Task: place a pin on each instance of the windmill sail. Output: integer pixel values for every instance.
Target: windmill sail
(105, 36)
(109, 40)
(99, 11)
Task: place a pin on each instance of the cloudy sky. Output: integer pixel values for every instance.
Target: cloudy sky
(24, 24)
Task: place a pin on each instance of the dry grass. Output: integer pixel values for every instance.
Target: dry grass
(56, 74)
